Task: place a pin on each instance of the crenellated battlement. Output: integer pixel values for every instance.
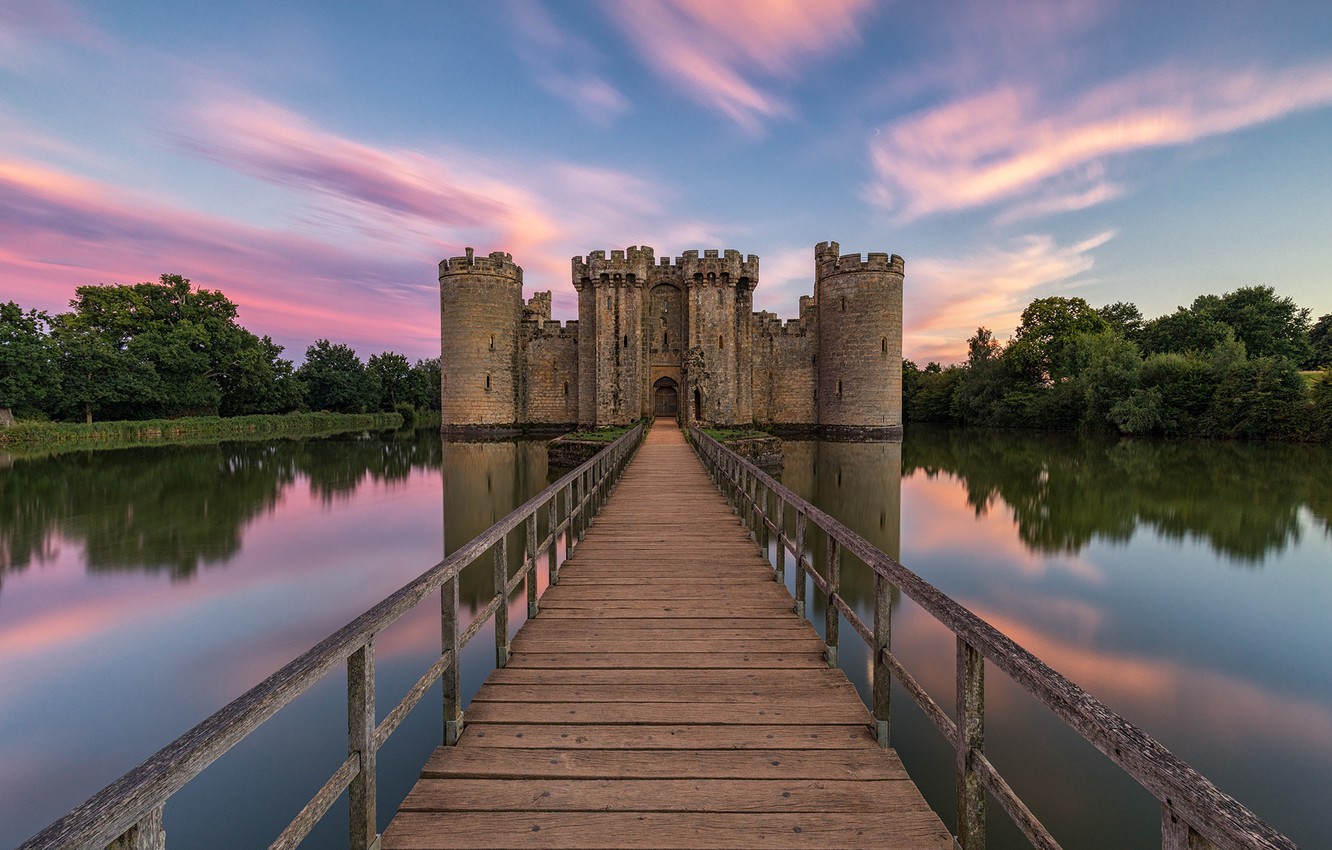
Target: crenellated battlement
(549, 328)
(771, 325)
(498, 264)
(828, 261)
(632, 262)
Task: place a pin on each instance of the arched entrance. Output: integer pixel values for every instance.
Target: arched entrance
(698, 405)
(665, 397)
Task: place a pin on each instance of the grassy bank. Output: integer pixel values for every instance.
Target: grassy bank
(68, 435)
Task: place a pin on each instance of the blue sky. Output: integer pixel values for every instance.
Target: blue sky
(315, 161)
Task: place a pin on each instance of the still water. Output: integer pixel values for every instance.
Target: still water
(1184, 584)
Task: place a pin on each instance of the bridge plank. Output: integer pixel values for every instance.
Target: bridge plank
(666, 696)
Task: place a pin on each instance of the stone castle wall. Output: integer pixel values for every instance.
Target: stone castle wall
(681, 330)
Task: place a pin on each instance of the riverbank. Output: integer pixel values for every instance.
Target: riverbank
(45, 436)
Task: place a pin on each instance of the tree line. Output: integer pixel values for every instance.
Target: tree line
(165, 350)
(1225, 366)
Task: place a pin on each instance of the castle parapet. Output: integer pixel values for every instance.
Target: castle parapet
(499, 264)
(632, 263)
(828, 261)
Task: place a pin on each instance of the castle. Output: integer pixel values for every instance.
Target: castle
(673, 338)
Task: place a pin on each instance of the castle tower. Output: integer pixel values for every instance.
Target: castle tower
(719, 294)
(860, 342)
(612, 350)
(480, 306)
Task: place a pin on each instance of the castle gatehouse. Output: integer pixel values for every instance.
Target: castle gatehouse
(673, 338)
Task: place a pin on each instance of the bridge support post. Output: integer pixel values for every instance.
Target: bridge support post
(801, 525)
(883, 681)
(363, 833)
(502, 596)
(552, 564)
(970, 741)
(530, 566)
(1176, 834)
(147, 834)
(448, 626)
(780, 574)
(832, 618)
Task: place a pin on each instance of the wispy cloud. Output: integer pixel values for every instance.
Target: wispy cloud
(28, 28)
(947, 298)
(1011, 145)
(717, 53)
(563, 64)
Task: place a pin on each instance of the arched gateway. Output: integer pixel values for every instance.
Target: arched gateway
(666, 397)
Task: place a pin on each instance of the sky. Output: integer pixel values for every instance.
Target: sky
(315, 161)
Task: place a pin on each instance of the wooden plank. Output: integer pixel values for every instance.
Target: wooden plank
(666, 660)
(805, 736)
(658, 795)
(711, 693)
(636, 646)
(816, 679)
(479, 762)
(830, 712)
(732, 831)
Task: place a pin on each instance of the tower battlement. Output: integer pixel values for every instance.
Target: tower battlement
(633, 261)
(499, 264)
(716, 264)
(828, 261)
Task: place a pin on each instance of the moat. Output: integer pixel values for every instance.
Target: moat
(1182, 583)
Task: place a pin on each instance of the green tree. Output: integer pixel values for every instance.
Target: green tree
(261, 381)
(97, 376)
(423, 384)
(1104, 371)
(934, 399)
(29, 373)
(1267, 325)
(336, 380)
(1182, 331)
(1320, 343)
(1048, 326)
(394, 375)
(1259, 398)
(1123, 318)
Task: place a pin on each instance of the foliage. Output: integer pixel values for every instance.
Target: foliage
(1102, 370)
(1268, 326)
(1258, 398)
(1123, 318)
(29, 372)
(1183, 331)
(393, 373)
(336, 380)
(190, 429)
(1320, 343)
(1048, 326)
(423, 384)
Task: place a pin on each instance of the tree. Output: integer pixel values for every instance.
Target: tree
(1320, 343)
(424, 384)
(1104, 369)
(1123, 318)
(29, 373)
(1267, 325)
(261, 381)
(97, 376)
(336, 380)
(394, 374)
(982, 347)
(1049, 325)
(1259, 398)
(1183, 331)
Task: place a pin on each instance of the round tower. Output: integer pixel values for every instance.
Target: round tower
(860, 342)
(480, 307)
(612, 350)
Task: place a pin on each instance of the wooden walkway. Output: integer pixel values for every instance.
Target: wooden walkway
(666, 696)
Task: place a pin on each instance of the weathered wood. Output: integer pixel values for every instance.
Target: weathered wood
(480, 762)
(361, 794)
(1031, 827)
(880, 644)
(530, 566)
(318, 806)
(147, 834)
(451, 648)
(395, 717)
(500, 606)
(970, 741)
(729, 831)
(1215, 816)
(807, 736)
(828, 712)
(831, 616)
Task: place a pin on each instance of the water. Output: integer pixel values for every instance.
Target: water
(1182, 583)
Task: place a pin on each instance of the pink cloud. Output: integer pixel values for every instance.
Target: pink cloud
(712, 50)
(561, 63)
(1007, 144)
(947, 298)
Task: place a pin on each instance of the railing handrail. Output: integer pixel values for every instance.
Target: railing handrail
(1215, 815)
(114, 810)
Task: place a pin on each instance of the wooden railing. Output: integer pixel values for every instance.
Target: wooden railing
(127, 814)
(1195, 814)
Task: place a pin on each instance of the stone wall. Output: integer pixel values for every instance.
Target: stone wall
(784, 372)
(481, 299)
(550, 373)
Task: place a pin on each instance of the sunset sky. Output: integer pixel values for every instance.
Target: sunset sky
(315, 161)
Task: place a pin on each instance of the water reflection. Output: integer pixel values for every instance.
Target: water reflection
(1065, 491)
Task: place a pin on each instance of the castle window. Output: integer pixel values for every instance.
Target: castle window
(839, 389)
(608, 302)
(626, 342)
(492, 342)
(721, 343)
(566, 389)
(720, 294)
(814, 361)
(487, 382)
(884, 345)
(665, 339)
(843, 303)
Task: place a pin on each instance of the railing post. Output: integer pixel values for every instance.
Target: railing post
(450, 679)
(530, 564)
(502, 592)
(801, 523)
(552, 567)
(147, 834)
(780, 575)
(762, 519)
(970, 739)
(1176, 834)
(883, 680)
(361, 743)
(832, 618)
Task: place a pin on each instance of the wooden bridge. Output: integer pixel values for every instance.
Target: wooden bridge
(666, 691)
(666, 696)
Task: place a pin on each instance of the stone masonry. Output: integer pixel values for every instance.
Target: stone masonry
(673, 337)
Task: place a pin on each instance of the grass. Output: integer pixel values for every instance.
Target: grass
(600, 435)
(722, 435)
(68, 435)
